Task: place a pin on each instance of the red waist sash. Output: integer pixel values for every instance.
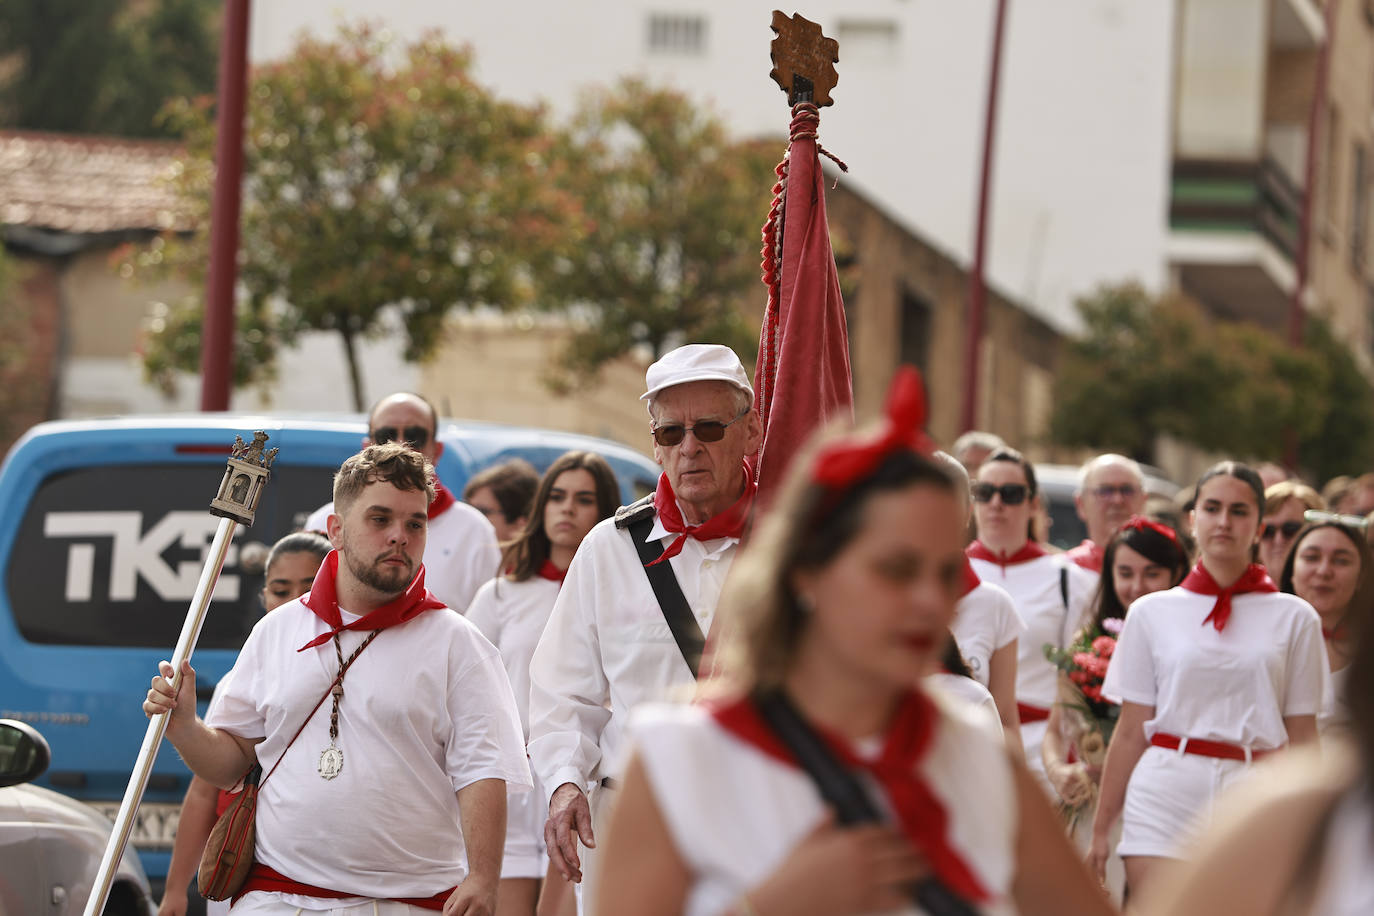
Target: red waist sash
(1204, 748)
(264, 878)
(1030, 713)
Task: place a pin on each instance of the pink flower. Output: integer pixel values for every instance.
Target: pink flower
(1113, 625)
(1104, 646)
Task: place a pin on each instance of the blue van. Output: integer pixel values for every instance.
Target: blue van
(104, 532)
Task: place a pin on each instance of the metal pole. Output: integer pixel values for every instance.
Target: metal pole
(157, 725)
(217, 332)
(1297, 312)
(977, 290)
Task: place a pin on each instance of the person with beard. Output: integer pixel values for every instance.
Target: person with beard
(392, 796)
(1111, 489)
(461, 550)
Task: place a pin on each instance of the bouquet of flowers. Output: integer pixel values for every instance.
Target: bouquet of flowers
(1089, 718)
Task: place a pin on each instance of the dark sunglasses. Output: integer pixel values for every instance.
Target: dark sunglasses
(705, 431)
(417, 437)
(1013, 494)
(1288, 529)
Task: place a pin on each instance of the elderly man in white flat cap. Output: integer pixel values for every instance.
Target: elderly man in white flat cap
(630, 622)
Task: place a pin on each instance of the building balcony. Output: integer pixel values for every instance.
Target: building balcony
(1233, 236)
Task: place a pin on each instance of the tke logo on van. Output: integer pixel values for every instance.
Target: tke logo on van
(135, 554)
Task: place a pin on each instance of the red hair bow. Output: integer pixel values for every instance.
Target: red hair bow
(1141, 523)
(854, 457)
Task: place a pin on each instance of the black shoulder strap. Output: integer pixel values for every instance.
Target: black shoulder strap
(844, 793)
(671, 601)
(1064, 585)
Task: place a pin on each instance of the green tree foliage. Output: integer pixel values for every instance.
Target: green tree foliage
(672, 211)
(377, 180)
(25, 373)
(1146, 367)
(103, 66)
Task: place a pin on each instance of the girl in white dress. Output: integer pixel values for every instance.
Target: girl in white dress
(839, 608)
(1328, 568)
(1050, 592)
(1211, 675)
(577, 491)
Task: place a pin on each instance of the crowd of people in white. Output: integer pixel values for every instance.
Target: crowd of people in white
(885, 694)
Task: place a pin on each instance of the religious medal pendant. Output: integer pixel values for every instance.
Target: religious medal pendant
(331, 762)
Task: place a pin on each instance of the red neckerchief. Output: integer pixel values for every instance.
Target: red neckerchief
(442, 500)
(971, 580)
(921, 814)
(1254, 579)
(1029, 551)
(552, 573)
(1088, 555)
(324, 601)
(728, 524)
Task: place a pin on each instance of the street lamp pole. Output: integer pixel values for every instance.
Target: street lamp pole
(217, 330)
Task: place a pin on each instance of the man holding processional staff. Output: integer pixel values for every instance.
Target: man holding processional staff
(392, 795)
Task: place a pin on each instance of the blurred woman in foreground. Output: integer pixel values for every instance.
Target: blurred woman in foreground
(838, 612)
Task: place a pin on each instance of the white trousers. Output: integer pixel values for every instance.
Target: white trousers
(270, 903)
(602, 801)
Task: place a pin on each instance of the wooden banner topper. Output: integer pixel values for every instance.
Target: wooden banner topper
(803, 60)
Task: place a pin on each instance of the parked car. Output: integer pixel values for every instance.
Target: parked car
(53, 845)
(1058, 483)
(102, 540)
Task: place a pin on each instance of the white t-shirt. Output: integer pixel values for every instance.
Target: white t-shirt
(1335, 710)
(1234, 686)
(460, 551)
(985, 620)
(513, 615)
(1035, 586)
(735, 813)
(607, 649)
(426, 711)
(966, 690)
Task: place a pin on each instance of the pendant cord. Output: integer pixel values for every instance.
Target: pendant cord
(337, 690)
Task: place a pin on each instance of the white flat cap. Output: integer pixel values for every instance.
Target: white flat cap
(697, 363)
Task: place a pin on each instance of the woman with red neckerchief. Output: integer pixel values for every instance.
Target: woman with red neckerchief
(834, 616)
(1329, 568)
(1211, 675)
(577, 491)
(1051, 593)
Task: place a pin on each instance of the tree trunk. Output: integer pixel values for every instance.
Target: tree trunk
(355, 378)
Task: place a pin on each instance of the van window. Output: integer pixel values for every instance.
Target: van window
(111, 556)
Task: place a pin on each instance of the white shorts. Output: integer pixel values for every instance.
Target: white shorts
(525, 855)
(1170, 798)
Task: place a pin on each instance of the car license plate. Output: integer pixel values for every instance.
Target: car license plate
(155, 824)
